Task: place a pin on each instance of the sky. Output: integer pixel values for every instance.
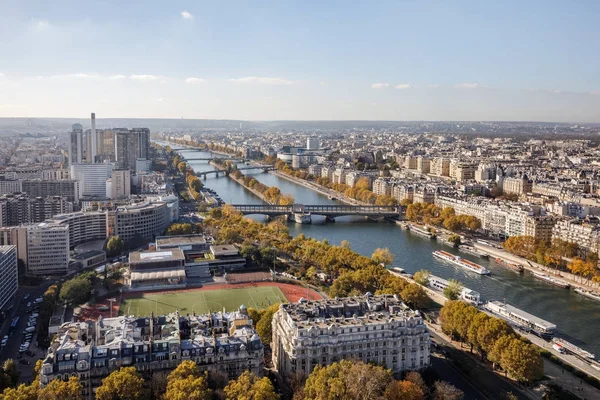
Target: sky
(302, 60)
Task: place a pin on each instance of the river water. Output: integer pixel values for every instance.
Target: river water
(577, 317)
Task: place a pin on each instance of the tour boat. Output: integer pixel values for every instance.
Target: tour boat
(588, 293)
(472, 251)
(302, 218)
(439, 284)
(552, 280)
(514, 267)
(421, 231)
(521, 319)
(570, 347)
(461, 262)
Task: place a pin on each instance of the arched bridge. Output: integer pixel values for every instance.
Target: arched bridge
(329, 211)
(218, 172)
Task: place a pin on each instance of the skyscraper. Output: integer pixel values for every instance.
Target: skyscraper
(76, 145)
(131, 145)
(94, 140)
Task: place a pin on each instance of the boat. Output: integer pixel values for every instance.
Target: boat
(473, 251)
(512, 266)
(421, 231)
(552, 280)
(461, 262)
(588, 293)
(439, 284)
(571, 348)
(521, 319)
(302, 218)
(400, 272)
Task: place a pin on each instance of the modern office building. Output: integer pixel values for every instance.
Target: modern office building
(374, 329)
(145, 220)
(92, 178)
(76, 145)
(223, 342)
(119, 185)
(9, 276)
(131, 145)
(68, 188)
(312, 143)
(47, 249)
(154, 269)
(83, 226)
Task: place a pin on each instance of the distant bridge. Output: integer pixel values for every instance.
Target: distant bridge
(218, 172)
(182, 158)
(328, 211)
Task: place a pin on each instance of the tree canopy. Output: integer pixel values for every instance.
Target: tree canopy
(122, 384)
(250, 387)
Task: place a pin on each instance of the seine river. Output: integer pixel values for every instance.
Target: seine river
(577, 318)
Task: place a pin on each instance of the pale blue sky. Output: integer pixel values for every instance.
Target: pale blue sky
(401, 60)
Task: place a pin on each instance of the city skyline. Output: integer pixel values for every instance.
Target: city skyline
(407, 60)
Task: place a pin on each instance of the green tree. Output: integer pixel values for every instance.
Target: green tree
(263, 326)
(114, 245)
(250, 387)
(347, 380)
(250, 253)
(453, 290)
(59, 389)
(414, 295)
(77, 290)
(382, 256)
(122, 384)
(422, 277)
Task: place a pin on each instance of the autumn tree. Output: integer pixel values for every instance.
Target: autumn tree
(250, 387)
(422, 277)
(59, 389)
(445, 391)
(382, 256)
(264, 325)
(181, 166)
(186, 382)
(453, 290)
(414, 295)
(522, 361)
(122, 384)
(22, 392)
(404, 390)
(347, 380)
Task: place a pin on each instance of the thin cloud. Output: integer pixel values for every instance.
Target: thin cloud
(262, 80)
(194, 81)
(467, 86)
(404, 86)
(187, 15)
(380, 85)
(116, 77)
(145, 78)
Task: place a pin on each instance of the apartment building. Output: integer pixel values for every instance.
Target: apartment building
(83, 226)
(378, 329)
(517, 185)
(403, 192)
(440, 166)
(120, 184)
(47, 249)
(223, 342)
(9, 276)
(17, 209)
(462, 171)
(410, 162)
(423, 164)
(382, 186)
(540, 227)
(10, 186)
(68, 188)
(586, 235)
(144, 220)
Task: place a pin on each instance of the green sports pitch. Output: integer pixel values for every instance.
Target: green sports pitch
(201, 301)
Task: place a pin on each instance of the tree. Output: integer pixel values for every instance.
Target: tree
(263, 326)
(422, 277)
(522, 361)
(347, 380)
(249, 387)
(22, 392)
(445, 391)
(122, 384)
(454, 238)
(186, 382)
(11, 372)
(404, 390)
(417, 379)
(58, 389)
(114, 245)
(382, 256)
(453, 290)
(179, 229)
(250, 253)
(77, 290)
(414, 295)
(181, 166)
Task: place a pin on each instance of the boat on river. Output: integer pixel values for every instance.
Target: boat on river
(302, 218)
(521, 319)
(421, 232)
(512, 266)
(439, 284)
(461, 262)
(571, 348)
(552, 280)
(588, 293)
(473, 251)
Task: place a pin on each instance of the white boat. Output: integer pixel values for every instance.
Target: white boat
(588, 293)
(439, 284)
(461, 262)
(302, 218)
(421, 231)
(473, 251)
(552, 280)
(578, 351)
(521, 319)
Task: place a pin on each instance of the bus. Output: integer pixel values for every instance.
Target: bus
(13, 325)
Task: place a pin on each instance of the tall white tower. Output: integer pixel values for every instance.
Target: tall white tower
(94, 139)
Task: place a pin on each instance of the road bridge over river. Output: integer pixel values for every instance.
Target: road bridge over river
(328, 211)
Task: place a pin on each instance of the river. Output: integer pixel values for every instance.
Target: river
(577, 317)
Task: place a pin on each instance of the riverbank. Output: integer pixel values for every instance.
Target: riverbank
(253, 191)
(535, 267)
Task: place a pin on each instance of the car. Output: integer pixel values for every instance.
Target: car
(28, 304)
(26, 296)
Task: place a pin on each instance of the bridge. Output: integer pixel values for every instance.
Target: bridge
(218, 172)
(328, 211)
(182, 158)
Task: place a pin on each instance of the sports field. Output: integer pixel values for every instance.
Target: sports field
(201, 301)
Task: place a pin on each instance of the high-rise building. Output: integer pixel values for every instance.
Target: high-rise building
(9, 275)
(131, 145)
(47, 249)
(76, 145)
(93, 140)
(106, 144)
(17, 209)
(92, 178)
(39, 188)
(312, 143)
(120, 184)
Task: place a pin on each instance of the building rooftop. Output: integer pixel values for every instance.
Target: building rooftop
(223, 250)
(180, 240)
(138, 257)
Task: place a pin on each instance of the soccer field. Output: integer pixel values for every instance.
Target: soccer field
(201, 301)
